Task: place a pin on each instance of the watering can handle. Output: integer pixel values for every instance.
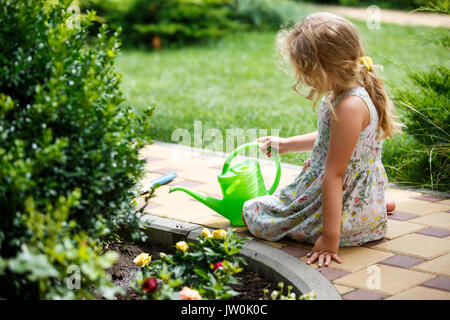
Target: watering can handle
(249, 145)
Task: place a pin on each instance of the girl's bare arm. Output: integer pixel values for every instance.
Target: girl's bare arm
(352, 117)
(302, 143)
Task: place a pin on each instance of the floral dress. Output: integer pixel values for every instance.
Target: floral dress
(296, 210)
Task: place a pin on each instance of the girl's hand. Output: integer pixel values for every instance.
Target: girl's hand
(324, 250)
(277, 144)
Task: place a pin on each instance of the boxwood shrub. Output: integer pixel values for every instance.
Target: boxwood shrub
(64, 129)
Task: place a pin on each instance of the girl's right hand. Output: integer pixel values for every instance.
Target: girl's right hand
(277, 144)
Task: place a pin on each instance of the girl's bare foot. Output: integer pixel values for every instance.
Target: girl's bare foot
(390, 204)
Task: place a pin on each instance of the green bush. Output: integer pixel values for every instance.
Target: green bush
(421, 158)
(56, 260)
(160, 23)
(425, 158)
(268, 14)
(163, 23)
(63, 127)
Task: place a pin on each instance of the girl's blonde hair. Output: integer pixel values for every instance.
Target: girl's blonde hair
(325, 51)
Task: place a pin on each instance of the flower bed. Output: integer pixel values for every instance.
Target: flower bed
(208, 269)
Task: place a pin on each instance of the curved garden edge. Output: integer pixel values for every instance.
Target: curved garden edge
(274, 264)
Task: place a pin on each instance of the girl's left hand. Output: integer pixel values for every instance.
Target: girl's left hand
(324, 250)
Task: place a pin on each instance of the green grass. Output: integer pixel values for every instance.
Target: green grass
(235, 83)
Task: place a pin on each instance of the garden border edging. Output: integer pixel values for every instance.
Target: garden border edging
(276, 265)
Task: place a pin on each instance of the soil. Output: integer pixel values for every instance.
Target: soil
(123, 271)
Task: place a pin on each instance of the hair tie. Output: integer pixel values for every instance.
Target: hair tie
(368, 62)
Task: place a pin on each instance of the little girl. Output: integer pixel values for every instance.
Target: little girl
(339, 197)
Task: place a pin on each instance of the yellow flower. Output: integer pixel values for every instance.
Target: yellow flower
(319, 228)
(206, 233)
(317, 215)
(182, 246)
(162, 255)
(371, 161)
(219, 234)
(355, 175)
(344, 216)
(374, 184)
(142, 260)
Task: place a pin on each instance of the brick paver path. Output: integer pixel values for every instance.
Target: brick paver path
(411, 262)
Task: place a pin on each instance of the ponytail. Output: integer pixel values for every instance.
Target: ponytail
(387, 119)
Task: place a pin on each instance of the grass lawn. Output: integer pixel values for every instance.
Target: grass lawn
(235, 82)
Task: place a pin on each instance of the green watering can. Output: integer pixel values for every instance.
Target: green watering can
(239, 182)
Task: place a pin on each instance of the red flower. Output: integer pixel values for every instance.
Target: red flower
(217, 265)
(150, 285)
(357, 200)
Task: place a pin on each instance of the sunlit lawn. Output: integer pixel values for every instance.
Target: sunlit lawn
(235, 82)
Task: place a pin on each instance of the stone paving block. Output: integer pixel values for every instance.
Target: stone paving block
(399, 194)
(239, 229)
(416, 245)
(402, 261)
(180, 211)
(149, 176)
(296, 251)
(355, 258)
(165, 170)
(440, 266)
(435, 232)
(214, 222)
(185, 183)
(438, 220)
(343, 290)
(364, 295)
(427, 197)
(294, 243)
(421, 293)
(275, 244)
(371, 244)
(399, 228)
(440, 283)
(400, 216)
(210, 188)
(163, 197)
(153, 159)
(419, 207)
(392, 280)
(150, 205)
(445, 202)
(200, 174)
(332, 273)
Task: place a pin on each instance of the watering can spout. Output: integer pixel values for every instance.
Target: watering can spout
(213, 203)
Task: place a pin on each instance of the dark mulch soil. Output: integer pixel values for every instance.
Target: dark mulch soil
(123, 271)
